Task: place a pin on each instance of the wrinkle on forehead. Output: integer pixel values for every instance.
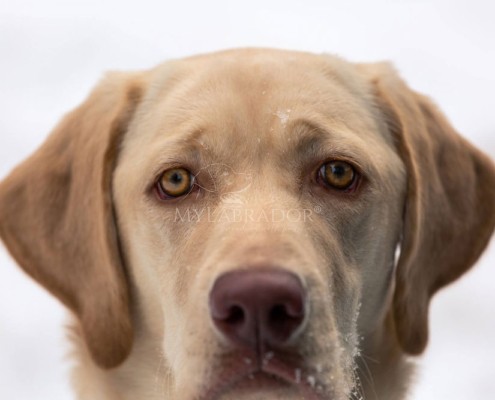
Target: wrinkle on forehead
(243, 110)
(258, 81)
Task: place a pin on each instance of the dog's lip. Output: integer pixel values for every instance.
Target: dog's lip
(306, 383)
(271, 371)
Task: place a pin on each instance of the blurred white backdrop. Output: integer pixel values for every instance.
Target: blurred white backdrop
(52, 52)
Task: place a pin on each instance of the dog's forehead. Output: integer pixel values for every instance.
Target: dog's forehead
(259, 85)
(234, 102)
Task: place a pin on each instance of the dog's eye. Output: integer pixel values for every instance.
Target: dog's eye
(174, 182)
(338, 175)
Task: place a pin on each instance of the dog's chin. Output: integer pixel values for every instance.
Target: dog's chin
(272, 379)
(260, 385)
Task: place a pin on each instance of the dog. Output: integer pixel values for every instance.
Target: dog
(249, 224)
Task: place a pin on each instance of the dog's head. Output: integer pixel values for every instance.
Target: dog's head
(242, 211)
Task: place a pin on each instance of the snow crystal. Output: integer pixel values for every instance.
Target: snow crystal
(298, 375)
(283, 116)
(311, 380)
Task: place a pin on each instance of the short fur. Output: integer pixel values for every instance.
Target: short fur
(81, 217)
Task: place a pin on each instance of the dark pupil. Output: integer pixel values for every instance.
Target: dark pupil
(176, 178)
(338, 170)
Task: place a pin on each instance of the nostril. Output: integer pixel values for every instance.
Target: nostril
(283, 320)
(278, 314)
(236, 316)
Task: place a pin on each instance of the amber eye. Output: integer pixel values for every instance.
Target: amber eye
(338, 175)
(174, 182)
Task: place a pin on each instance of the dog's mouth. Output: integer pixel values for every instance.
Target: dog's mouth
(244, 375)
(252, 382)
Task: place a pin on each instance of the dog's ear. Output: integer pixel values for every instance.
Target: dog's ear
(449, 213)
(56, 217)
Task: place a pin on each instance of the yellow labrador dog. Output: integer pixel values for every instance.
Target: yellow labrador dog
(227, 227)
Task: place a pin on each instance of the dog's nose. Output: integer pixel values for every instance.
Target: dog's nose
(258, 306)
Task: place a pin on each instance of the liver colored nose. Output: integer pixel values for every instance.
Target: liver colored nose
(258, 306)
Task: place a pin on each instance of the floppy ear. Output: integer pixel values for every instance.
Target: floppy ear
(56, 217)
(449, 213)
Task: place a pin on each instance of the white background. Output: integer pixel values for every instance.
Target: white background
(52, 52)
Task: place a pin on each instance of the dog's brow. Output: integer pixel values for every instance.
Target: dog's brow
(308, 134)
(309, 138)
(187, 148)
(312, 140)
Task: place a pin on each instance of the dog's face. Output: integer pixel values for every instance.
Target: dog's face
(291, 170)
(250, 205)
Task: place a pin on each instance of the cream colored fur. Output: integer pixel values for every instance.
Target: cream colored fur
(81, 216)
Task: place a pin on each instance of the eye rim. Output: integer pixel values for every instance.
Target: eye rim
(162, 193)
(348, 189)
